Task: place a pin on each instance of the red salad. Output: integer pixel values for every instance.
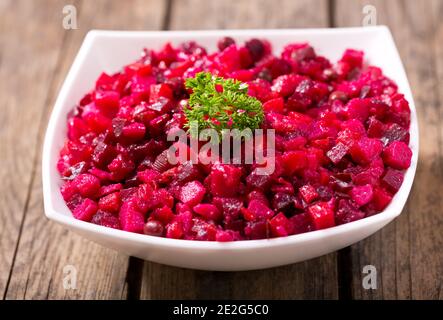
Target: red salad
(341, 145)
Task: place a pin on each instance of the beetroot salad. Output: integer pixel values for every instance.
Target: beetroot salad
(339, 151)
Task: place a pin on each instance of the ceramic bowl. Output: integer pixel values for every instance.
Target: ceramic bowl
(109, 50)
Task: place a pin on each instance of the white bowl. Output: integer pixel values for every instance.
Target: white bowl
(110, 50)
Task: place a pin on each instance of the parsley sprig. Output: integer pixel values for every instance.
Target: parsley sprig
(220, 103)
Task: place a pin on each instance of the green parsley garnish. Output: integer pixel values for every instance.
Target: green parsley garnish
(220, 103)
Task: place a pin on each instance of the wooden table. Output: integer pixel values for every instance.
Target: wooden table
(35, 55)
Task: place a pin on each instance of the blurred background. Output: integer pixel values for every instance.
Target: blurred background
(38, 42)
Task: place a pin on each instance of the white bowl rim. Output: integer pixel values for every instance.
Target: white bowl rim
(393, 210)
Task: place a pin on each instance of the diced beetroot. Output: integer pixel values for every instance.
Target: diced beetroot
(294, 161)
(285, 84)
(68, 190)
(192, 193)
(308, 193)
(357, 109)
(159, 90)
(105, 190)
(102, 175)
(104, 81)
(395, 132)
(274, 105)
(157, 125)
(186, 221)
(143, 198)
(295, 143)
(354, 127)
(298, 52)
(362, 194)
(148, 175)
(107, 102)
(280, 225)
(106, 219)
(381, 199)
(348, 212)
(285, 124)
(322, 215)
(245, 57)
(260, 89)
(208, 211)
(257, 180)
(282, 185)
(341, 145)
(182, 208)
(337, 152)
(279, 67)
(353, 57)
(128, 194)
(87, 185)
(393, 179)
(257, 210)
(120, 167)
(174, 230)
(257, 230)
(242, 75)
(228, 206)
(366, 150)
(397, 155)
(131, 219)
(134, 131)
(96, 121)
(321, 129)
(301, 223)
(283, 201)
(162, 197)
(231, 210)
(162, 105)
(226, 235)
(110, 203)
(376, 128)
(371, 175)
(86, 210)
(76, 128)
(229, 59)
(204, 230)
(103, 154)
(163, 214)
(224, 180)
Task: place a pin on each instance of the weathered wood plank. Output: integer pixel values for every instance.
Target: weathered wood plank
(407, 253)
(45, 248)
(26, 67)
(313, 279)
(233, 14)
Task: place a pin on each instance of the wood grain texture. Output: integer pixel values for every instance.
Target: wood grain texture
(312, 279)
(407, 253)
(45, 248)
(26, 67)
(241, 14)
